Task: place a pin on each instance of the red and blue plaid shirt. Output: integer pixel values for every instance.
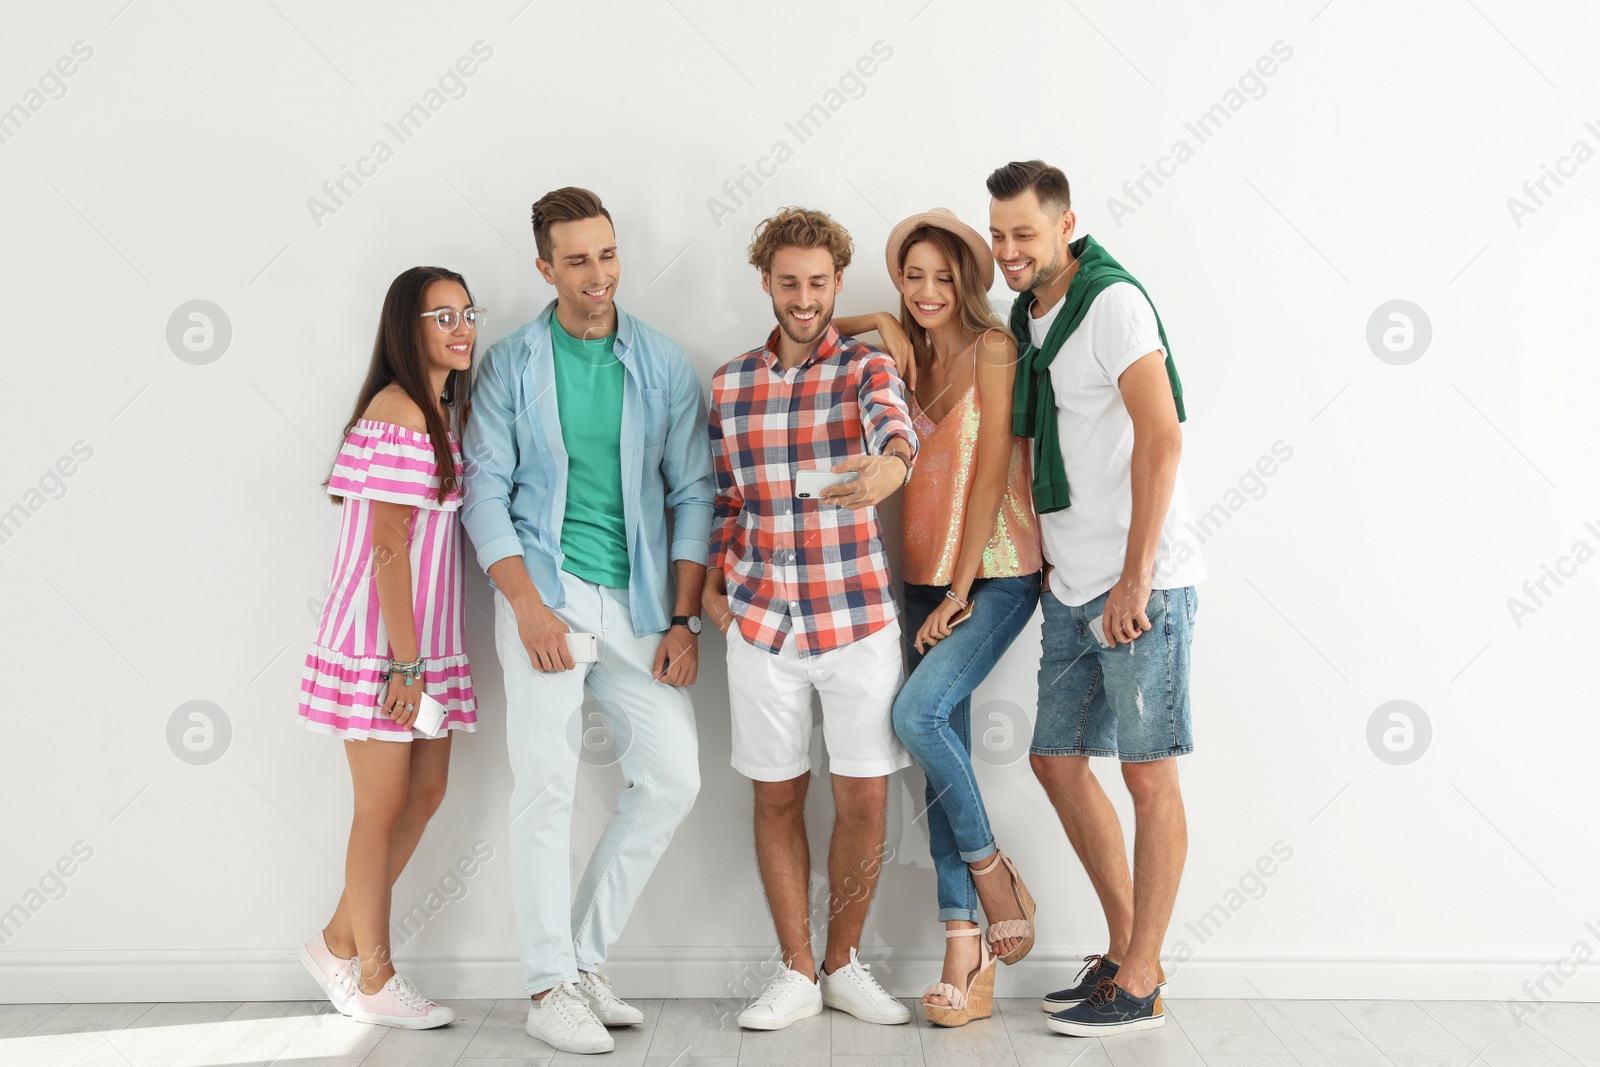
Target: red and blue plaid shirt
(803, 565)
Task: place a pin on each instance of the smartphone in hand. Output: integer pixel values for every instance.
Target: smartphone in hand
(809, 484)
(1097, 626)
(585, 648)
(430, 717)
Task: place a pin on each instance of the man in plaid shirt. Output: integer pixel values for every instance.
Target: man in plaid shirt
(802, 590)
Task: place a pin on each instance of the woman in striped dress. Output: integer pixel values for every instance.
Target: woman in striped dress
(391, 627)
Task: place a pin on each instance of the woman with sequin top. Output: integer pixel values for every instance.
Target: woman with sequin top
(972, 570)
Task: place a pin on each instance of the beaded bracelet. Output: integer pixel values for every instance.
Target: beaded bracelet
(412, 670)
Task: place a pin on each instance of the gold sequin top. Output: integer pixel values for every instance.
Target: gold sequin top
(935, 502)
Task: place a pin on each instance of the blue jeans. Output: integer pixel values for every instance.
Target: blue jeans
(933, 716)
(1132, 701)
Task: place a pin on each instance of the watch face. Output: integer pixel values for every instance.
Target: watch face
(694, 624)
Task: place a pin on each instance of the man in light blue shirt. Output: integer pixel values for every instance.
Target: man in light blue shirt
(579, 413)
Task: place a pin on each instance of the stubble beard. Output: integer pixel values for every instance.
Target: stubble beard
(1043, 276)
(823, 321)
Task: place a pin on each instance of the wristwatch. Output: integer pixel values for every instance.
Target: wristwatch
(905, 460)
(691, 622)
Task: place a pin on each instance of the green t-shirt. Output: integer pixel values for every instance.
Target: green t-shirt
(594, 538)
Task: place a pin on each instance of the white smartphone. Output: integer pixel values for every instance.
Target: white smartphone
(585, 648)
(430, 717)
(1097, 626)
(809, 484)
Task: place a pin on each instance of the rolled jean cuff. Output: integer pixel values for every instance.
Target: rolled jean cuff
(958, 914)
(982, 854)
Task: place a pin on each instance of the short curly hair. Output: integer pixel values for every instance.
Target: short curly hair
(799, 227)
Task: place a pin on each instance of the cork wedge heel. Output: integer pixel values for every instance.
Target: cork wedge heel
(976, 1001)
(1009, 928)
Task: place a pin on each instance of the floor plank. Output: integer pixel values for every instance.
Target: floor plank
(1035, 1044)
(330, 1038)
(1401, 1028)
(702, 1030)
(501, 1035)
(65, 1033)
(1316, 1035)
(803, 1044)
(1165, 1046)
(1491, 1028)
(851, 1037)
(1575, 1028)
(429, 1048)
(253, 1035)
(982, 1041)
(160, 1034)
(705, 1033)
(17, 1019)
(1219, 1028)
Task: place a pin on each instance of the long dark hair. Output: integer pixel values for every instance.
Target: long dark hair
(398, 359)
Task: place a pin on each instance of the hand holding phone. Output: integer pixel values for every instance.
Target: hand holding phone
(809, 484)
(1097, 626)
(585, 648)
(926, 638)
(430, 717)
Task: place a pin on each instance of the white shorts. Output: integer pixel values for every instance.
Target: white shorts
(770, 697)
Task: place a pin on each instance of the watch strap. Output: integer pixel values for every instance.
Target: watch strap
(906, 460)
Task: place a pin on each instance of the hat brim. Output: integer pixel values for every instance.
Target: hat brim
(947, 221)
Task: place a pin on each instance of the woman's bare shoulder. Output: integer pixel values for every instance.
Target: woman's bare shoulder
(997, 346)
(392, 405)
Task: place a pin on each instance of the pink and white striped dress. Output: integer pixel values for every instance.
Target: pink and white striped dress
(341, 684)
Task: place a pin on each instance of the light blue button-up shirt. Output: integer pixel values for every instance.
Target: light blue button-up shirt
(516, 463)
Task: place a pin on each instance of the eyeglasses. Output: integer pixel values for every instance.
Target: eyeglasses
(447, 318)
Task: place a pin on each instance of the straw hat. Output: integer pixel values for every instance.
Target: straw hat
(944, 219)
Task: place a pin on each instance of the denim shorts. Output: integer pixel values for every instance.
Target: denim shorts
(1131, 701)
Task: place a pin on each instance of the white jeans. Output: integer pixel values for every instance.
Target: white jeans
(652, 732)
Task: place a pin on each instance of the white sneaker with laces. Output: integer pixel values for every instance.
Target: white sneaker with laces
(853, 989)
(399, 1004)
(563, 1021)
(789, 998)
(610, 1009)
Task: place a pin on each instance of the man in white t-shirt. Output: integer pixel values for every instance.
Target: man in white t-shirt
(1099, 394)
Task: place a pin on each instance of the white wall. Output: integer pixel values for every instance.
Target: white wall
(178, 561)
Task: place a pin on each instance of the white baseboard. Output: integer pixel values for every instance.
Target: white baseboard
(275, 974)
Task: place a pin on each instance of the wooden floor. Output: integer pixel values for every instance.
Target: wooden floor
(683, 1033)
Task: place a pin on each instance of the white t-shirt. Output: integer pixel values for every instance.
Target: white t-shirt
(1088, 541)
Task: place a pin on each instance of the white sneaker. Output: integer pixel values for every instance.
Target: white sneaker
(335, 974)
(791, 997)
(399, 1004)
(610, 1009)
(563, 1021)
(853, 989)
